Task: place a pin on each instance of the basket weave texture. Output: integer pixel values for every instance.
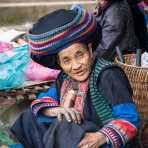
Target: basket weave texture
(138, 77)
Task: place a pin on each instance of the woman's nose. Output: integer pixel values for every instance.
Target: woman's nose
(76, 64)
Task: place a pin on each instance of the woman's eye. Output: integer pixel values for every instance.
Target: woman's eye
(66, 61)
(79, 55)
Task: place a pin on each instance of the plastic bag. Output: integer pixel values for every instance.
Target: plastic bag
(144, 60)
(35, 71)
(4, 46)
(12, 66)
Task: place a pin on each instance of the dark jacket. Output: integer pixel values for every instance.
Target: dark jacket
(117, 29)
(140, 27)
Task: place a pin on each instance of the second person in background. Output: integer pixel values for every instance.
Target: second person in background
(117, 30)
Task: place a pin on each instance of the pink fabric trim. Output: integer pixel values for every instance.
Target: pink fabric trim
(45, 99)
(126, 128)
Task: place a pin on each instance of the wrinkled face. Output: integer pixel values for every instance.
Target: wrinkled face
(76, 61)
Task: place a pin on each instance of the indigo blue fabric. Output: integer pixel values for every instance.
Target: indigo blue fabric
(52, 92)
(116, 88)
(127, 111)
(34, 134)
(16, 146)
(12, 67)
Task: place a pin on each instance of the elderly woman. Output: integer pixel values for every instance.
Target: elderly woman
(117, 28)
(90, 104)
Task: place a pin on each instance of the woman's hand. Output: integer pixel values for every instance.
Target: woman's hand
(70, 114)
(92, 140)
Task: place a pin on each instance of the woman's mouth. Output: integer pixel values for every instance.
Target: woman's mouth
(80, 73)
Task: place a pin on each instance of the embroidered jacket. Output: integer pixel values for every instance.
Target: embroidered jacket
(111, 97)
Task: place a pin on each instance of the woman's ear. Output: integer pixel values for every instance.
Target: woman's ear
(58, 60)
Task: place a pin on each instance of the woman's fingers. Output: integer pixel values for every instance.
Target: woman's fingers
(84, 146)
(67, 115)
(83, 143)
(62, 112)
(93, 140)
(60, 116)
(78, 116)
(73, 115)
(70, 114)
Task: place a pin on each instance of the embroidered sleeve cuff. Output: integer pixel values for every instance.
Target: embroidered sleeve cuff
(112, 137)
(119, 132)
(45, 102)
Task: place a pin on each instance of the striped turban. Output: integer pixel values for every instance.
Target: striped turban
(58, 30)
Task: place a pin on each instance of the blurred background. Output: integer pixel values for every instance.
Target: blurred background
(21, 13)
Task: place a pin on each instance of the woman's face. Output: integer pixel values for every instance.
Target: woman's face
(76, 61)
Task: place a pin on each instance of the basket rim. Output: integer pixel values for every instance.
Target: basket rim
(127, 65)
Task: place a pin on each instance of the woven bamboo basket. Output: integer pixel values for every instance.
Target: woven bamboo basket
(138, 77)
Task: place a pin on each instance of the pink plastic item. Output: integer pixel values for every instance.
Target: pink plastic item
(4, 46)
(37, 72)
(143, 4)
